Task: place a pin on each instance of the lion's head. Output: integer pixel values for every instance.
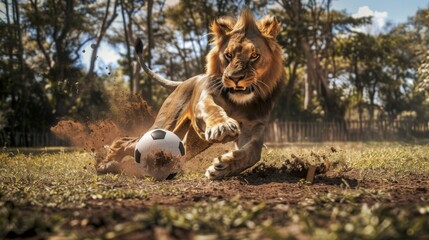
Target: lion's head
(247, 56)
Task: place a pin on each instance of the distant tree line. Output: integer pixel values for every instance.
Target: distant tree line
(334, 71)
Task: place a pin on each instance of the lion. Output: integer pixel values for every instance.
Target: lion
(232, 101)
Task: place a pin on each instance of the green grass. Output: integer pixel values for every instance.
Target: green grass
(47, 195)
(63, 180)
(390, 158)
(394, 159)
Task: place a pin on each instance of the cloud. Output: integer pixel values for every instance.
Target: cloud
(378, 20)
(106, 56)
(171, 2)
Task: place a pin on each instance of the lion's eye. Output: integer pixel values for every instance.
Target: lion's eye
(228, 56)
(254, 56)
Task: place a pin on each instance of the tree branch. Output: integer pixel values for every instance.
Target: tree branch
(104, 26)
(38, 37)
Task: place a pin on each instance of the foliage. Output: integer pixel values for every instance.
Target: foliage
(310, 30)
(353, 221)
(424, 71)
(421, 94)
(333, 69)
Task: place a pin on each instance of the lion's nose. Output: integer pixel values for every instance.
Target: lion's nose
(236, 77)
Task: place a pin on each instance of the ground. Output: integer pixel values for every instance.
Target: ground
(362, 191)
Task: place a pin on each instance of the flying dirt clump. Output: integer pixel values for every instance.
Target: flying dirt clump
(323, 161)
(298, 165)
(161, 165)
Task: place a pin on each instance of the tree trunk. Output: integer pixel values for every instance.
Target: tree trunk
(20, 56)
(128, 42)
(316, 75)
(289, 89)
(308, 92)
(314, 72)
(149, 97)
(59, 68)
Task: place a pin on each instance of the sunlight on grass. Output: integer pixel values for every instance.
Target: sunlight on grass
(59, 180)
(65, 182)
(391, 158)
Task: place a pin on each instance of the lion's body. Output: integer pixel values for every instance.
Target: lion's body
(231, 102)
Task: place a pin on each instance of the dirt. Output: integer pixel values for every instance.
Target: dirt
(161, 165)
(278, 188)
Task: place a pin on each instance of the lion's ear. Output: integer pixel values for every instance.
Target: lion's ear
(269, 26)
(222, 26)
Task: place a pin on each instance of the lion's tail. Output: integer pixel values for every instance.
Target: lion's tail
(164, 82)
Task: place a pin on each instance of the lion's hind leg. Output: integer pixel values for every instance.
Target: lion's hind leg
(116, 152)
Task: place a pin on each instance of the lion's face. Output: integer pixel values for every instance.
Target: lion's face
(247, 57)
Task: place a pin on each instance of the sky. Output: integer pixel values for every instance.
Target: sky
(382, 11)
(397, 11)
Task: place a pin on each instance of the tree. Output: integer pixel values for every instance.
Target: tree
(424, 75)
(54, 46)
(309, 41)
(139, 17)
(419, 33)
(23, 105)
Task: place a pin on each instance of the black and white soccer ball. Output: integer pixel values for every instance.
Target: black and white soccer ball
(158, 154)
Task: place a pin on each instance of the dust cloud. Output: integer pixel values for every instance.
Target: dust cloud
(129, 115)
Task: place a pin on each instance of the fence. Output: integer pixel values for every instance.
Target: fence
(277, 133)
(280, 132)
(31, 139)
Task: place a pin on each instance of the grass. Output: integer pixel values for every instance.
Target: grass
(390, 158)
(58, 194)
(63, 180)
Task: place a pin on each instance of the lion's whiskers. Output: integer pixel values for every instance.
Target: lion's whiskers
(216, 88)
(259, 90)
(264, 84)
(259, 85)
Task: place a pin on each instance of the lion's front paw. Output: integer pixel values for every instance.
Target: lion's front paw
(228, 164)
(223, 132)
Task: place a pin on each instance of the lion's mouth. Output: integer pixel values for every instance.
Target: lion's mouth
(241, 90)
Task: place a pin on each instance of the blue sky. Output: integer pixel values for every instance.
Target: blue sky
(397, 10)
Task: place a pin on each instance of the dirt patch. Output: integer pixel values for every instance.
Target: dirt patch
(278, 187)
(279, 191)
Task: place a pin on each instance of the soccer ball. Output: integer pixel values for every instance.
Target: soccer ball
(158, 154)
